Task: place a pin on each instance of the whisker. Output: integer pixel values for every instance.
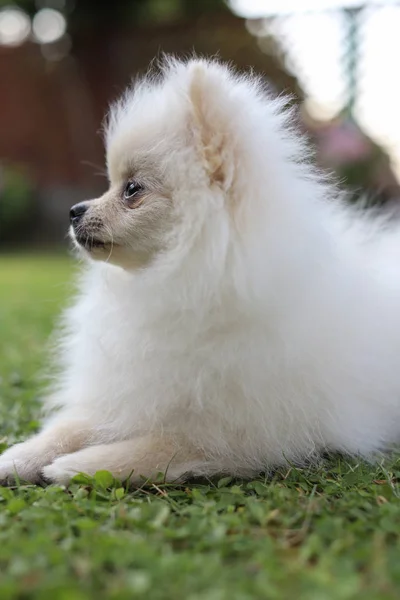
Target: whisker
(109, 231)
(101, 171)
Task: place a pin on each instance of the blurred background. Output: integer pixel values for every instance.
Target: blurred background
(63, 61)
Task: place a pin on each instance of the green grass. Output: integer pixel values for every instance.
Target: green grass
(318, 534)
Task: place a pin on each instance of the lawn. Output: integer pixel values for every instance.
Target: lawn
(330, 532)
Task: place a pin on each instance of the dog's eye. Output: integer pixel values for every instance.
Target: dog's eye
(132, 188)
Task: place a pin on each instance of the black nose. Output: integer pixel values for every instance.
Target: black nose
(77, 211)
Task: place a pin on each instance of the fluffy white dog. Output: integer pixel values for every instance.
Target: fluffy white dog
(233, 314)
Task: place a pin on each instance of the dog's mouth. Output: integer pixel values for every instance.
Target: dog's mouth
(89, 242)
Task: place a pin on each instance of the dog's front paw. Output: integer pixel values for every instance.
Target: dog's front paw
(62, 470)
(20, 463)
(26, 461)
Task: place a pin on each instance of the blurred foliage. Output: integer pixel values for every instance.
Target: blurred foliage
(370, 179)
(16, 202)
(92, 14)
(358, 178)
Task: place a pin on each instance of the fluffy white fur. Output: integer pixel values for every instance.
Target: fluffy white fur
(238, 316)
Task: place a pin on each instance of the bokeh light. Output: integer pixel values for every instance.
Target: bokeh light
(15, 26)
(48, 25)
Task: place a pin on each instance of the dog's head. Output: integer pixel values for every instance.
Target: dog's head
(178, 160)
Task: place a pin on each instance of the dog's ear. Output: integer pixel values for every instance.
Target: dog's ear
(210, 125)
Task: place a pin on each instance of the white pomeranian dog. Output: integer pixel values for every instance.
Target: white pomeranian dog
(234, 314)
